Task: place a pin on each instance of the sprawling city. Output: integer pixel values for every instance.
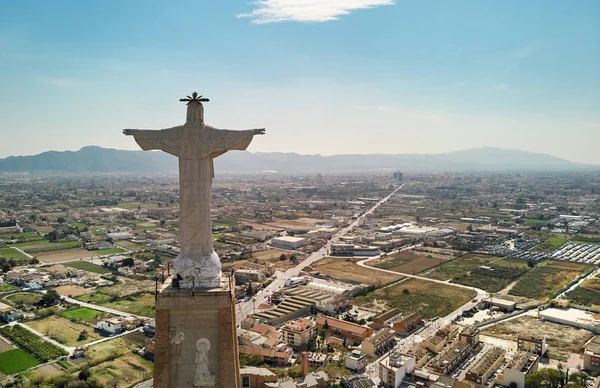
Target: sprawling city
(379, 280)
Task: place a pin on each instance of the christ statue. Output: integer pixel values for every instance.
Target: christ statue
(196, 145)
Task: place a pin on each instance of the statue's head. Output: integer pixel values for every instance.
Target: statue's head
(195, 110)
(195, 113)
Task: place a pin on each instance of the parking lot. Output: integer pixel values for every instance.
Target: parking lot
(578, 253)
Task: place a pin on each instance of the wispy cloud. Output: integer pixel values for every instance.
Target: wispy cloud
(272, 11)
(58, 82)
(500, 87)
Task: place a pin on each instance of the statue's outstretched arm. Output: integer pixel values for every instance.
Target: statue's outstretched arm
(162, 139)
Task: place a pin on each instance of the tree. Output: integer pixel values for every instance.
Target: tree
(128, 262)
(283, 257)
(249, 290)
(545, 378)
(50, 298)
(61, 220)
(512, 385)
(85, 374)
(579, 378)
(530, 263)
(470, 228)
(326, 325)
(83, 336)
(405, 291)
(163, 222)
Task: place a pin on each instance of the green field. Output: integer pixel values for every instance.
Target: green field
(134, 304)
(137, 305)
(15, 361)
(428, 298)
(131, 246)
(12, 253)
(104, 252)
(532, 221)
(44, 245)
(79, 225)
(7, 287)
(551, 244)
(90, 267)
(587, 293)
(548, 278)
(21, 298)
(83, 314)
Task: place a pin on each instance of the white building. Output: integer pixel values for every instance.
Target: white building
(393, 369)
(289, 242)
(296, 281)
(116, 325)
(518, 369)
(356, 360)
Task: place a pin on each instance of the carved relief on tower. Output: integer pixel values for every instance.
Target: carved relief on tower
(203, 377)
(176, 335)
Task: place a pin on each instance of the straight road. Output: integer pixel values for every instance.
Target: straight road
(246, 308)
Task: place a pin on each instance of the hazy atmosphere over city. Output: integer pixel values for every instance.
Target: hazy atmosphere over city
(330, 77)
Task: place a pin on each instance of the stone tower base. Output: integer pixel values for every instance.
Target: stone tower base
(185, 319)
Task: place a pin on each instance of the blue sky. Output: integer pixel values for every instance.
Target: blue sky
(323, 76)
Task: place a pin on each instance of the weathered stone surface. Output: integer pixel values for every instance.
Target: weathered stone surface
(199, 314)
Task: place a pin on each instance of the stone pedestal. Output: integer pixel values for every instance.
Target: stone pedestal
(196, 342)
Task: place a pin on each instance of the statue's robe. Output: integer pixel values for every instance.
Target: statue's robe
(196, 145)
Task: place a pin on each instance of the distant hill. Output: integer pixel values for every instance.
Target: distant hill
(97, 159)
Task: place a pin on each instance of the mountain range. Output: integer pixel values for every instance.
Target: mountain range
(106, 160)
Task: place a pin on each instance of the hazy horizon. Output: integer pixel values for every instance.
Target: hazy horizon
(337, 77)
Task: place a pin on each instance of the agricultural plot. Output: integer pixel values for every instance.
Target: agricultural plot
(486, 272)
(12, 253)
(273, 256)
(64, 255)
(64, 331)
(46, 246)
(82, 314)
(90, 267)
(428, 298)
(5, 346)
(20, 299)
(4, 287)
(410, 262)
(551, 244)
(347, 270)
(15, 361)
(72, 291)
(42, 350)
(131, 246)
(105, 252)
(114, 363)
(141, 304)
(548, 278)
(48, 370)
(587, 293)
